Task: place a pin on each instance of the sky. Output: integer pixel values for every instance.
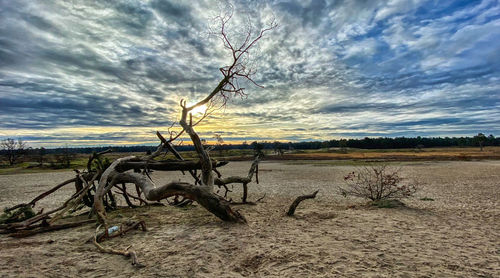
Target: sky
(99, 73)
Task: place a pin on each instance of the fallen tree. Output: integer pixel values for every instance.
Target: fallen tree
(203, 190)
(94, 184)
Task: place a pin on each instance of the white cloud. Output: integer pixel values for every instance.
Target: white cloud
(392, 7)
(364, 48)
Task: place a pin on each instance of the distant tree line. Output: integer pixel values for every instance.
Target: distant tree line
(479, 140)
(13, 150)
(405, 142)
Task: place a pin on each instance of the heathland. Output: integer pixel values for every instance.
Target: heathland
(450, 228)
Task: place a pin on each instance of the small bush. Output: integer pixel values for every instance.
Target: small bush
(377, 183)
(18, 215)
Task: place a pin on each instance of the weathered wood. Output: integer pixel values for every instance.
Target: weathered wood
(105, 185)
(68, 204)
(243, 180)
(203, 195)
(207, 178)
(75, 199)
(165, 165)
(297, 201)
(43, 195)
(125, 253)
(54, 227)
(172, 149)
(126, 196)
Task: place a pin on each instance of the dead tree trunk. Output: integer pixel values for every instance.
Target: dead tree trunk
(202, 194)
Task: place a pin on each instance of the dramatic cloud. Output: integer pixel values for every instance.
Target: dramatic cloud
(113, 72)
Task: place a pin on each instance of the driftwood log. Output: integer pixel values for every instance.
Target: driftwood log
(293, 206)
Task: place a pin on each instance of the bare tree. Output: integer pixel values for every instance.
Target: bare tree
(278, 147)
(378, 183)
(343, 145)
(480, 138)
(13, 149)
(219, 143)
(41, 154)
(258, 149)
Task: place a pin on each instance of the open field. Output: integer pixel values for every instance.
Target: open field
(455, 235)
(395, 154)
(339, 157)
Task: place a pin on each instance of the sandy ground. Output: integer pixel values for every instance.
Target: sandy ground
(456, 235)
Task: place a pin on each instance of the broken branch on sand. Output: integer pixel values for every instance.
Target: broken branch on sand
(293, 206)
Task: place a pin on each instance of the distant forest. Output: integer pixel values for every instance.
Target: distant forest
(365, 143)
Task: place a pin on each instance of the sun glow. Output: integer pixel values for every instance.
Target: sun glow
(199, 110)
